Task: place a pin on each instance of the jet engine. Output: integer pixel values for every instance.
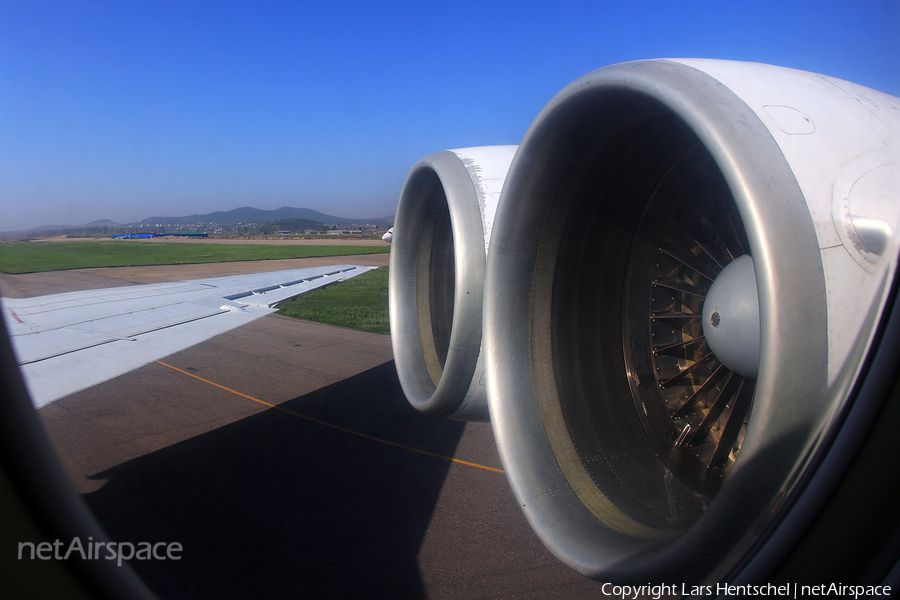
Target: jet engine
(685, 285)
(439, 243)
(686, 310)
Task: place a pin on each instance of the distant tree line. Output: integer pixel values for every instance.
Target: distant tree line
(291, 225)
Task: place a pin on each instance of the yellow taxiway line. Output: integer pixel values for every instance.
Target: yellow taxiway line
(331, 426)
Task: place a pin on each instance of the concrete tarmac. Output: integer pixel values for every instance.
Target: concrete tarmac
(284, 458)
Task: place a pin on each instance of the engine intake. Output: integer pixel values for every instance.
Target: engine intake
(437, 278)
(635, 452)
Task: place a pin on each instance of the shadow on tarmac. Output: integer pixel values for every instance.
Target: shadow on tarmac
(274, 505)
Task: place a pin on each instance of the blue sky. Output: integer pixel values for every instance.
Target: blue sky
(125, 110)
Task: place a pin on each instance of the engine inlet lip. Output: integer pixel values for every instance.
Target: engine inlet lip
(443, 397)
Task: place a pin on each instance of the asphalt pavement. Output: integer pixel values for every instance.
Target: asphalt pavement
(285, 460)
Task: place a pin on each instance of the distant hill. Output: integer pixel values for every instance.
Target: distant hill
(290, 218)
(94, 227)
(101, 223)
(247, 214)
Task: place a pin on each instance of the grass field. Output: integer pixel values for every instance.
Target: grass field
(56, 256)
(360, 303)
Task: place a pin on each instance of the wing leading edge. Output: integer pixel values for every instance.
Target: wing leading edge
(68, 342)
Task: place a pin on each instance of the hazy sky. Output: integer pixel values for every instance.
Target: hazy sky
(125, 110)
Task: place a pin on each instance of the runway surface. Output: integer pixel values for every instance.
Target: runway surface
(284, 458)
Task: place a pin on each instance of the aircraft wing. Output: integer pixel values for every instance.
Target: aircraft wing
(68, 342)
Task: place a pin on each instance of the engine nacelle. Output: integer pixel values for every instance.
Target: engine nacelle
(439, 244)
(636, 453)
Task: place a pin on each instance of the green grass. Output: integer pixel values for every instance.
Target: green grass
(33, 257)
(359, 303)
